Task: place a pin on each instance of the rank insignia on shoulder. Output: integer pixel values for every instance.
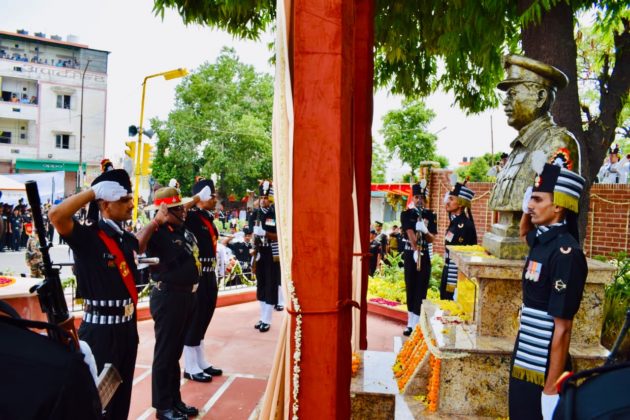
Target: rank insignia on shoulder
(559, 285)
(565, 250)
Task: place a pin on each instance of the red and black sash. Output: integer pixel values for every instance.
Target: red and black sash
(210, 227)
(121, 264)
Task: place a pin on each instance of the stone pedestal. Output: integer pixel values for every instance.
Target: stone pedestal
(502, 240)
(475, 365)
(373, 390)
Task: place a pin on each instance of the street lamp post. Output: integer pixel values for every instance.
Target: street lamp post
(168, 75)
(80, 172)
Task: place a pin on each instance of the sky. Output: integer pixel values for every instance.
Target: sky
(141, 44)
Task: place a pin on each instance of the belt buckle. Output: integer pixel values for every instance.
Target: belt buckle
(213, 264)
(129, 309)
(194, 288)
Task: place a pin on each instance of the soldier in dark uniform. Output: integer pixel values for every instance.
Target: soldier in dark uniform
(461, 231)
(376, 250)
(106, 274)
(419, 227)
(553, 282)
(15, 228)
(381, 236)
(173, 298)
(241, 247)
(200, 222)
(263, 225)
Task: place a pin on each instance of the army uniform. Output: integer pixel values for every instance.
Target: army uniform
(376, 249)
(461, 231)
(34, 257)
(172, 305)
(201, 223)
(553, 282)
(267, 259)
(416, 281)
(109, 323)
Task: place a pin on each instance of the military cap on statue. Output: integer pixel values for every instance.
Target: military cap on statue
(106, 165)
(116, 175)
(521, 69)
(265, 188)
(201, 184)
(169, 196)
(565, 185)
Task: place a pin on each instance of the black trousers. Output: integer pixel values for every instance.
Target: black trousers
(171, 312)
(416, 282)
(206, 303)
(116, 344)
(267, 277)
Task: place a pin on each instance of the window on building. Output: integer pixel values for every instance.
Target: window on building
(5, 137)
(63, 101)
(62, 141)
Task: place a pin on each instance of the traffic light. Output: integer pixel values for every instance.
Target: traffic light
(133, 130)
(131, 150)
(147, 159)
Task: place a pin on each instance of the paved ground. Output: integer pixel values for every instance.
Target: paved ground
(244, 354)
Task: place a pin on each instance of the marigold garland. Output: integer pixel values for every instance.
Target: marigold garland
(433, 389)
(297, 354)
(409, 359)
(356, 363)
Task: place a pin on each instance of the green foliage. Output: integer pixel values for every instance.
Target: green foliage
(478, 168)
(242, 18)
(378, 163)
(617, 302)
(443, 160)
(405, 133)
(390, 283)
(221, 125)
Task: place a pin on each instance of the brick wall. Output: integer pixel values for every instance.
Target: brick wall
(609, 213)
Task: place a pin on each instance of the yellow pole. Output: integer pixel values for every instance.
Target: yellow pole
(168, 75)
(136, 169)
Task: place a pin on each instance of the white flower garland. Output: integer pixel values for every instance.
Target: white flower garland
(297, 354)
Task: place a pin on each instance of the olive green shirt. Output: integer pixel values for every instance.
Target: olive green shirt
(518, 174)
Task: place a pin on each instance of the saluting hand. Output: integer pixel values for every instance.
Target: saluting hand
(205, 194)
(161, 216)
(109, 191)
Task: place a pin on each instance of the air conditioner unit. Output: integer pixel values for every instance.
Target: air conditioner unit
(16, 151)
(40, 34)
(49, 155)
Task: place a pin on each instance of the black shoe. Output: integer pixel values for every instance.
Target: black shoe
(186, 410)
(264, 327)
(213, 371)
(170, 414)
(279, 308)
(198, 377)
(407, 331)
(258, 324)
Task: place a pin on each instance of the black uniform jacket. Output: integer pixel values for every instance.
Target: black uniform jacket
(98, 277)
(555, 273)
(200, 230)
(411, 216)
(175, 247)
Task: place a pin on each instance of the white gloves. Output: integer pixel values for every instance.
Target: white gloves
(420, 226)
(526, 198)
(205, 194)
(108, 191)
(415, 256)
(259, 231)
(88, 357)
(548, 405)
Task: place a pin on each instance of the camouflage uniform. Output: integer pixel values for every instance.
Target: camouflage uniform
(34, 256)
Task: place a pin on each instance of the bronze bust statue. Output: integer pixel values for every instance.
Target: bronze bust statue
(530, 88)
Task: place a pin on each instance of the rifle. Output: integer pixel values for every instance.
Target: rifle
(53, 302)
(50, 291)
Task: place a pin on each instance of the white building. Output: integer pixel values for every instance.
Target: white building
(44, 81)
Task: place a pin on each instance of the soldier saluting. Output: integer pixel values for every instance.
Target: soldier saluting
(419, 226)
(553, 282)
(106, 276)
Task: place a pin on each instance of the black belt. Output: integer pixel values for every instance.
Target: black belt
(174, 287)
(172, 264)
